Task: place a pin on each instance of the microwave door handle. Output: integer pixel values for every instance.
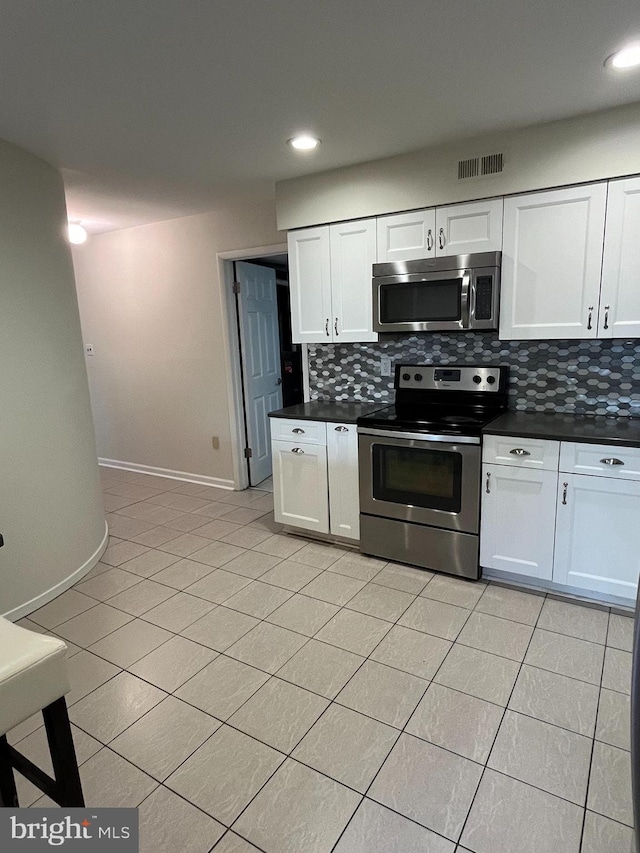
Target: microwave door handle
(465, 300)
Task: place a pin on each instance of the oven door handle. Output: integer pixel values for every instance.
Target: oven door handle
(465, 300)
(420, 436)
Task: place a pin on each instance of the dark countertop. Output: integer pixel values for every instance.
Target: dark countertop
(328, 411)
(624, 432)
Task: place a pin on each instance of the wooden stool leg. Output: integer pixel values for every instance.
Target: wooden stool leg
(63, 754)
(8, 793)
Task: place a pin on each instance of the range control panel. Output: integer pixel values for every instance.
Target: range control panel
(428, 377)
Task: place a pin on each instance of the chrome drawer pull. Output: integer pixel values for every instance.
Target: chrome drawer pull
(519, 451)
(487, 488)
(342, 429)
(297, 431)
(297, 450)
(564, 493)
(611, 460)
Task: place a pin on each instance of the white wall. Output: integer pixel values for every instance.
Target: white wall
(587, 148)
(50, 501)
(151, 305)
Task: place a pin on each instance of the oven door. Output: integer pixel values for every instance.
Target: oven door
(424, 302)
(423, 479)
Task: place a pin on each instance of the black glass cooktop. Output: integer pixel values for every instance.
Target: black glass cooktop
(434, 419)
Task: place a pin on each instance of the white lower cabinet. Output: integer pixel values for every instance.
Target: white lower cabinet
(344, 499)
(518, 519)
(300, 485)
(577, 530)
(598, 534)
(315, 486)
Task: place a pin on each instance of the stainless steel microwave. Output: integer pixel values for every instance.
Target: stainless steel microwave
(453, 294)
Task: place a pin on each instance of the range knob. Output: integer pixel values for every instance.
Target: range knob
(418, 377)
(491, 380)
(406, 376)
(477, 379)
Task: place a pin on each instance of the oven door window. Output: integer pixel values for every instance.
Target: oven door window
(421, 301)
(415, 477)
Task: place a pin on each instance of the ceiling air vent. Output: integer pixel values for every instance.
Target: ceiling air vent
(479, 167)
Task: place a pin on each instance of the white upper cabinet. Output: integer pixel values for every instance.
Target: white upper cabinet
(407, 236)
(465, 228)
(353, 253)
(310, 284)
(551, 261)
(620, 295)
(330, 282)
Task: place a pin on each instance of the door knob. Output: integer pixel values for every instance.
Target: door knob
(279, 381)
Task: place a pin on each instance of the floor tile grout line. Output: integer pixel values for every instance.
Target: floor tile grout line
(495, 737)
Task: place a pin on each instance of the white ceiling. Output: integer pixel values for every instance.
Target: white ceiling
(160, 108)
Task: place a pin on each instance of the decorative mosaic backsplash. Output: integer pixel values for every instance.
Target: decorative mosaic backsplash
(580, 377)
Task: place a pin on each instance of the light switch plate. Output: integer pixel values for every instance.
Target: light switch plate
(385, 365)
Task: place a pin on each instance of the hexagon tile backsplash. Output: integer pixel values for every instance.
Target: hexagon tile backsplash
(579, 377)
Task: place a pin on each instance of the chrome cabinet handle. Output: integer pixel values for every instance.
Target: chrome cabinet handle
(326, 327)
(335, 326)
(487, 487)
(429, 240)
(606, 316)
(519, 451)
(342, 429)
(589, 326)
(297, 431)
(441, 239)
(611, 460)
(297, 450)
(564, 493)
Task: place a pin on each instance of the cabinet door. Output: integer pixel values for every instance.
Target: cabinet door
(518, 520)
(300, 485)
(353, 253)
(551, 259)
(620, 296)
(344, 501)
(465, 228)
(406, 236)
(310, 285)
(598, 535)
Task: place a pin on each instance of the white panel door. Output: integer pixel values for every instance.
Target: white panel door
(353, 253)
(598, 535)
(344, 499)
(551, 260)
(465, 228)
(518, 520)
(310, 285)
(261, 374)
(620, 295)
(300, 485)
(406, 236)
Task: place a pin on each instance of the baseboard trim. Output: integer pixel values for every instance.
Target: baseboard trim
(185, 476)
(54, 591)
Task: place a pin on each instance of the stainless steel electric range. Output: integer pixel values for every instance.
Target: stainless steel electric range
(420, 466)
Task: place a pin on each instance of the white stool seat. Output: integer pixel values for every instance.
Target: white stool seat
(33, 673)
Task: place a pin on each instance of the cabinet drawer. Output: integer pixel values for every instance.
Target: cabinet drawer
(600, 460)
(520, 452)
(302, 432)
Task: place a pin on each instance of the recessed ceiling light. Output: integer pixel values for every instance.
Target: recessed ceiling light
(76, 233)
(304, 142)
(627, 57)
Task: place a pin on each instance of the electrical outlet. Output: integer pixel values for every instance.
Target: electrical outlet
(216, 442)
(385, 365)
(88, 349)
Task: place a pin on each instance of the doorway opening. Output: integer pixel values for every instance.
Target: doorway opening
(271, 370)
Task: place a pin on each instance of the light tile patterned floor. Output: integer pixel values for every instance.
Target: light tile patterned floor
(253, 691)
